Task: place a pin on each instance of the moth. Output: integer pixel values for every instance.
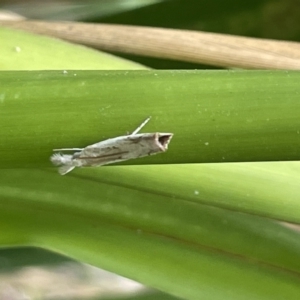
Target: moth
(112, 150)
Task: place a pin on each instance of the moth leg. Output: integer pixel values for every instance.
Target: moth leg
(141, 126)
(68, 149)
(63, 170)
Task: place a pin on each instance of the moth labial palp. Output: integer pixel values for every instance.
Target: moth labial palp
(113, 150)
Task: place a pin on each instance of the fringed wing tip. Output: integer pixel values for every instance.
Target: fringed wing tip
(56, 159)
(63, 161)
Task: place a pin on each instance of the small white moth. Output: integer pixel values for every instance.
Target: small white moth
(112, 150)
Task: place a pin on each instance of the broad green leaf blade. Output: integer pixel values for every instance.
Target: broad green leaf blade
(216, 116)
(25, 51)
(122, 189)
(163, 240)
(269, 189)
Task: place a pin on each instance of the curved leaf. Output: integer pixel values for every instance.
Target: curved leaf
(163, 240)
(25, 51)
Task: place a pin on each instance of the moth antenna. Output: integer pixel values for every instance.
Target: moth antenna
(141, 126)
(68, 149)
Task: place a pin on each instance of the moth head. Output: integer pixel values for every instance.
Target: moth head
(163, 140)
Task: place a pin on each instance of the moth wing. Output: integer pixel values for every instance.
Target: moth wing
(93, 151)
(110, 147)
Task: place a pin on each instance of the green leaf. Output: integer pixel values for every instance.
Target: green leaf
(161, 239)
(15, 258)
(177, 228)
(216, 116)
(25, 51)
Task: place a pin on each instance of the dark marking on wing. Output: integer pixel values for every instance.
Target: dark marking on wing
(135, 140)
(103, 156)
